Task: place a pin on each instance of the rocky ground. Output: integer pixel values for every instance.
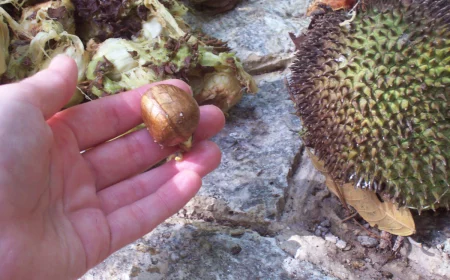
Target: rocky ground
(265, 213)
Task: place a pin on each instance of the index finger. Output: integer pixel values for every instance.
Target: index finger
(100, 120)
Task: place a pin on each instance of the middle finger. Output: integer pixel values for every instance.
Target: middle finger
(134, 153)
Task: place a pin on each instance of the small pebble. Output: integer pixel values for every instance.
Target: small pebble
(135, 271)
(446, 247)
(153, 269)
(384, 241)
(384, 244)
(237, 232)
(183, 253)
(387, 274)
(318, 232)
(236, 249)
(341, 244)
(367, 241)
(348, 247)
(142, 248)
(323, 229)
(357, 264)
(325, 223)
(332, 238)
(174, 257)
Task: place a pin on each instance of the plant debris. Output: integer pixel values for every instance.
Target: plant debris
(118, 46)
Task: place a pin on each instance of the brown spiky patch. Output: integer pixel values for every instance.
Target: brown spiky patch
(373, 94)
(103, 19)
(320, 6)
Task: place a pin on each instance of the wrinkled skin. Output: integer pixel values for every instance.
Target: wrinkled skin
(62, 211)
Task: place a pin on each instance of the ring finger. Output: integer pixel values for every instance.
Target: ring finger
(202, 159)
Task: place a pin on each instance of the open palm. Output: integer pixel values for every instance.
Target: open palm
(63, 210)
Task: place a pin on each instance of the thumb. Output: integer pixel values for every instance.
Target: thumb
(50, 89)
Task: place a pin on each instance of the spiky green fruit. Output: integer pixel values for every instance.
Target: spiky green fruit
(373, 92)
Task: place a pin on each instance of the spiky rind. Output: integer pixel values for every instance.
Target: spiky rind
(374, 96)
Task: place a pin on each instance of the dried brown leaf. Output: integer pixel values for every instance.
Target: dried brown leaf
(317, 6)
(385, 215)
(332, 186)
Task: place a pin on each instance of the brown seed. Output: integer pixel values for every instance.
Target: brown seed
(170, 114)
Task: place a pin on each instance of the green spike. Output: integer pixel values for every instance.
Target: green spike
(411, 187)
(436, 196)
(422, 202)
(433, 207)
(408, 199)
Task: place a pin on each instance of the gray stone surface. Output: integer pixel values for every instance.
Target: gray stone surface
(202, 251)
(368, 241)
(258, 145)
(341, 244)
(256, 216)
(257, 30)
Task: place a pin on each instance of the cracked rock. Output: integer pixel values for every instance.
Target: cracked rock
(209, 257)
(258, 33)
(367, 241)
(341, 244)
(331, 238)
(259, 144)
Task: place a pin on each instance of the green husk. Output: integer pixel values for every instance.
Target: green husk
(4, 45)
(164, 50)
(121, 45)
(44, 31)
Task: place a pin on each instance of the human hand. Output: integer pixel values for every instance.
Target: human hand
(63, 211)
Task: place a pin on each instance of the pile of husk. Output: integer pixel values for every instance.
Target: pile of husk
(119, 45)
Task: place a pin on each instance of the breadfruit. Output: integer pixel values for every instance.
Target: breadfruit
(372, 89)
